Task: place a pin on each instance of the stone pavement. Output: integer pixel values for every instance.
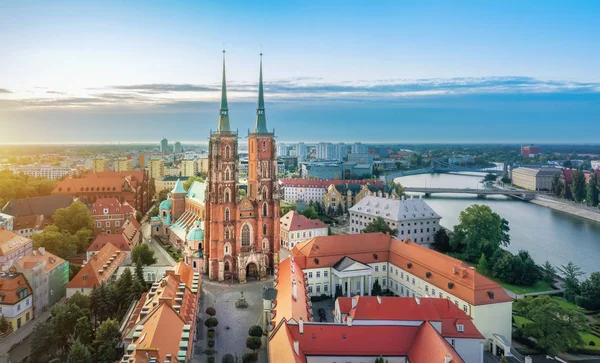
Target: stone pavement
(162, 257)
(14, 339)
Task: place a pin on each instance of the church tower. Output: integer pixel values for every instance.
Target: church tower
(221, 197)
(263, 189)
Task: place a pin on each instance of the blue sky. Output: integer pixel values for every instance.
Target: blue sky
(406, 71)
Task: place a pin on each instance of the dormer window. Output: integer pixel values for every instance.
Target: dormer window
(460, 328)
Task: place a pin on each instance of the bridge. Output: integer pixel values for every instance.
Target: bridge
(442, 166)
(524, 194)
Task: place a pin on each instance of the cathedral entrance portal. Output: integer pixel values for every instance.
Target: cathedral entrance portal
(251, 271)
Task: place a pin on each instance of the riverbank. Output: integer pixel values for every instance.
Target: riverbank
(568, 208)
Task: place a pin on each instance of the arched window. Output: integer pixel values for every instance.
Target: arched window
(227, 174)
(227, 196)
(226, 234)
(265, 209)
(227, 215)
(226, 266)
(264, 193)
(246, 235)
(227, 152)
(264, 146)
(264, 229)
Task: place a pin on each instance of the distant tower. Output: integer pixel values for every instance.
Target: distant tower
(178, 204)
(177, 147)
(164, 145)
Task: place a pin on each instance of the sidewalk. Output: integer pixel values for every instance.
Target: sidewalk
(19, 335)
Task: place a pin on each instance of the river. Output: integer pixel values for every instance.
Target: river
(547, 234)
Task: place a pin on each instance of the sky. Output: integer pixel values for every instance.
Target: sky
(385, 71)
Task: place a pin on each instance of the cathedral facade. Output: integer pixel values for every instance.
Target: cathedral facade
(241, 237)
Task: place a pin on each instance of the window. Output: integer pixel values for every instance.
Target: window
(264, 209)
(226, 233)
(227, 155)
(98, 224)
(310, 289)
(441, 295)
(325, 287)
(264, 229)
(246, 235)
(318, 289)
(117, 223)
(227, 174)
(432, 292)
(108, 223)
(264, 193)
(401, 275)
(456, 303)
(376, 268)
(310, 275)
(227, 196)
(325, 274)
(426, 288)
(227, 214)
(465, 308)
(383, 267)
(226, 266)
(318, 274)
(413, 280)
(384, 281)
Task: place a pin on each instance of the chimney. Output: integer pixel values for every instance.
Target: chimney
(418, 300)
(379, 299)
(301, 325)
(528, 359)
(463, 273)
(349, 320)
(294, 289)
(447, 358)
(297, 347)
(354, 301)
(42, 251)
(454, 269)
(100, 272)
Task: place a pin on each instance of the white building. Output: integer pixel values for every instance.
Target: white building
(359, 148)
(6, 221)
(342, 150)
(301, 151)
(595, 164)
(43, 171)
(172, 171)
(296, 228)
(353, 263)
(326, 151)
(282, 149)
(413, 218)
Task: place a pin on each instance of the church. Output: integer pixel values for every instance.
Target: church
(240, 233)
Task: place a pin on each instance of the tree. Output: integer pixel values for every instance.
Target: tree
(84, 331)
(593, 190)
(144, 254)
(211, 311)
(255, 331)
(138, 216)
(548, 272)
(554, 328)
(380, 225)
(557, 187)
(480, 230)
(590, 292)
(286, 207)
(489, 177)
(483, 267)
(162, 195)
(139, 272)
(108, 337)
(579, 190)
(4, 325)
(381, 360)
(441, 241)
(253, 343)
(103, 303)
(506, 179)
(571, 273)
(82, 239)
(228, 358)
(519, 269)
(73, 218)
(504, 360)
(123, 291)
(310, 212)
(211, 322)
(56, 242)
(376, 289)
(188, 183)
(340, 209)
(397, 187)
(79, 353)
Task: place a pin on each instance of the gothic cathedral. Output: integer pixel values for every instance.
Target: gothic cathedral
(241, 233)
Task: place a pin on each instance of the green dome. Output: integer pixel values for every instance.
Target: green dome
(165, 204)
(196, 233)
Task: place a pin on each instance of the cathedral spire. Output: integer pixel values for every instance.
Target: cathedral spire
(224, 112)
(261, 121)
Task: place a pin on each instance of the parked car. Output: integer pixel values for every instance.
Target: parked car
(322, 313)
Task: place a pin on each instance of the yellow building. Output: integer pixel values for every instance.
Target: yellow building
(100, 164)
(156, 168)
(189, 167)
(203, 164)
(123, 164)
(16, 298)
(348, 195)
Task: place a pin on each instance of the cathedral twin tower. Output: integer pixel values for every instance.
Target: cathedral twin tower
(241, 238)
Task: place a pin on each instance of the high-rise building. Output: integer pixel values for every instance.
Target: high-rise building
(164, 145)
(301, 150)
(359, 148)
(177, 147)
(326, 151)
(123, 164)
(156, 168)
(203, 164)
(282, 150)
(189, 167)
(100, 164)
(242, 235)
(142, 161)
(342, 150)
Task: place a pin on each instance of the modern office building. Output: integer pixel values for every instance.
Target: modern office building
(164, 146)
(282, 149)
(177, 147)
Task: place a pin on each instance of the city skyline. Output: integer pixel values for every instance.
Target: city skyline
(406, 73)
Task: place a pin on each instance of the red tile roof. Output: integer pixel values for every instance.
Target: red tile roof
(467, 284)
(24, 222)
(117, 240)
(429, 346)
(324, 183)
(40, 256)
(112, 204)
(11, 284)
(286, 306)
(89, 276)
(10, 242)
(294, 221)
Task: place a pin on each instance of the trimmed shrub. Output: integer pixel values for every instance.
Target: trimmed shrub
(211, 343)
(211, 322)
(211, 359)
(209, 351)
(211, 334)
(211, 311)
(255, 331)
(228, 358)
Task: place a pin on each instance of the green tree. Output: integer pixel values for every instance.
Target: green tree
(483, 267)
(441, 241)
(504, 360)
(79, 353)
(83, 330)
(123, 292)
(557, 187)
(139, 272)
(286, 207)
(4, 325)
(162, 195)
(108, 337)
(554, 328)
(490, 177)
(593, 190)
(310, 212)
(103, 303)
(381, 360)
(548, 272)
(61, 244)
(138, 216)
(82, 239)
(188, 183)
(590, 292)
(376, 289)
(255, 331)
(142, 252)
(253, 343)
(73, 218)
(480, 230)
(579, 190)
(211, 311)
(380, 225)
(211, 322)
(571, 273)
(519, 269)
(339, 210)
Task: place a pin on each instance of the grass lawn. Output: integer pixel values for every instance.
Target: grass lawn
(569, 306)
(538, 287)
(325, 219)
(519, 320)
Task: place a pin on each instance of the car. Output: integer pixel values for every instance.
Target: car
(323, 319)
(321, 312)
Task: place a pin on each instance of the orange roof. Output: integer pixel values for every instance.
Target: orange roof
(10, 242)
(324, 183)
(11, 284)
(294, 221)
(33, 221)
(186, 274)
(421, 343)
(106, 181)
(112, 204)
(286, 306)
(132, 230)
(366, 248)
(40, 256)
(118, 240)
(93, 273)
(411, 309)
